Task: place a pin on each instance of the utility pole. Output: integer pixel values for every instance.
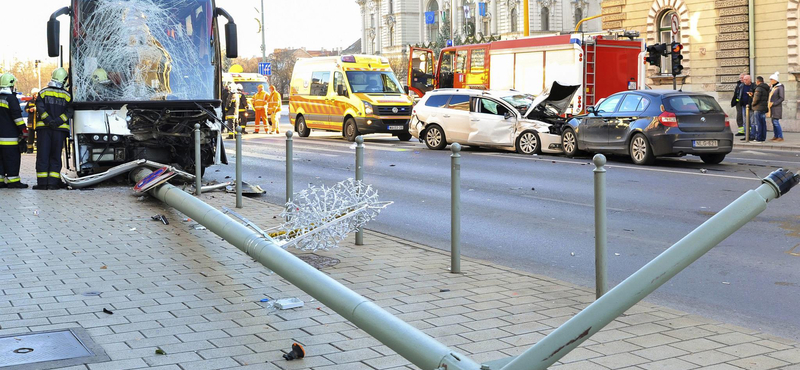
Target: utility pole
(39, 72)
(263, 36)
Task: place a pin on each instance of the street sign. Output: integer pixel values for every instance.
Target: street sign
(675, 23)
(154, 179)
(265, 69)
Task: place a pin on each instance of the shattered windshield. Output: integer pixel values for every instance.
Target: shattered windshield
(521, 101)
(143, 50)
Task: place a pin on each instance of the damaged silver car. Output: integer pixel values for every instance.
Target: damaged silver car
(503, 119)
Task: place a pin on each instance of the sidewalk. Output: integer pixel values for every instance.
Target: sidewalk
(182, 290)
(791, 142)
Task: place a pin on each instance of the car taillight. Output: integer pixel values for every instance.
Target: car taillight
(727, 122)
(668, 119)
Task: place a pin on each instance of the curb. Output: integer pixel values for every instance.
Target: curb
(765, 146)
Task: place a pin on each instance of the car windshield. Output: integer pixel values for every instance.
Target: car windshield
(251, 87)
(373, 82)
(134, 50)
(520, 101)
(692, 104)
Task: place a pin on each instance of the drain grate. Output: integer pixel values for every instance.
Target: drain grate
(317, 261)
(49, 350)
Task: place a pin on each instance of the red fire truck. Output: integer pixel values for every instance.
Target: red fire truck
(601, 64)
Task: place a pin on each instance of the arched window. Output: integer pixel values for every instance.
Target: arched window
(665, 36)
(391, 35)
(433, 29)
(391, 7)
(545, 19)
(514, 27)
(578, 17)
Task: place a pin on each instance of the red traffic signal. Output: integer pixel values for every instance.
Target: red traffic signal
(676, 48)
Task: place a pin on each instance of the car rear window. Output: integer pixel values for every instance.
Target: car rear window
(691, 104)
(437, 101)
(460, 102)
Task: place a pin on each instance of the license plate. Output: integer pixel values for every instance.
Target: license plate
(395, 127)
(705, 143)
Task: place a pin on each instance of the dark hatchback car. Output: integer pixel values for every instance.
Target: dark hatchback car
(652, 123)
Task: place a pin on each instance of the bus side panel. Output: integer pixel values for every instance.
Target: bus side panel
(616, 66)
(565, 67)
(501, 75)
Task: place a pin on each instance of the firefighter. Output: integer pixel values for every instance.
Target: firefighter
(274, 110)
(228, 101)
(259, 106)
(31, 108)
(12, 133)
(242, 108)
(53, 111)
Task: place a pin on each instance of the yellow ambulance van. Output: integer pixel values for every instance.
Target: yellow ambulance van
(351, 94)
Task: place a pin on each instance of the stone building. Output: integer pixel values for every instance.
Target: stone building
(389, 26)
(717, 41)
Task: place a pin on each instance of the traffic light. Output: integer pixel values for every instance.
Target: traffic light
(655, 52)
(676, 58)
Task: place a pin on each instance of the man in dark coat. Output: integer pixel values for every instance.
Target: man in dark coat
(736, 103)
(760, 107)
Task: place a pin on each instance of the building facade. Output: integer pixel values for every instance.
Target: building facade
(389, 26)
(719, 43)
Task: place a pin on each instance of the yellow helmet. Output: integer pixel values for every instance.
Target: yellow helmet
(60, 75)
(7, 80)
(100, 76)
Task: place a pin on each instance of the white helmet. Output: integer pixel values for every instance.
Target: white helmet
(34, 91)
(240, 87)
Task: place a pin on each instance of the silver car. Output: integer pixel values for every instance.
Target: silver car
(503, 119)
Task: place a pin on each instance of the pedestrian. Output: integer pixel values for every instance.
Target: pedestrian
(274, 110)
(259, 106)
(776, 97)
(736, 104)
(12, 133)
(30, 107)
(745, 102)
(53, 110)
(760, 96)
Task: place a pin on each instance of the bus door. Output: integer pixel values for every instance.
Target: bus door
(459, 78)
(477, 78)
(421, 78)
(446, 69)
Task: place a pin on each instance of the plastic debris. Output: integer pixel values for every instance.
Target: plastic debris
(443, 290)
(161, 218)
(616, 254)
(703, 170)
(132, 229)
(187, 219)
(296, 352)
(264, 300)
(106, 310)
(199, 227)
(572, 254)
(36, 212)
(288, 303)
(103, 267)
(91, 294)
(160, 351)
(726, 283)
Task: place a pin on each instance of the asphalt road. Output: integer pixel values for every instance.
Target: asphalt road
(535, 213)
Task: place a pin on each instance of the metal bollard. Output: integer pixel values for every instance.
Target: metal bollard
(455, 208)
(198, 166)
(600, 237)
(360, 177)
(747, 127)
(239, 167)
(289, 169)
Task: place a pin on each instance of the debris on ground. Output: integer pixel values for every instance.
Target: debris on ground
(443, 290)
(296, 352)
(104, 267)
(161, 218)
(726, 283)
(391, 165)
(288, 303)
(160, 351)
(36, 212)
(107, 311)
(572, 254)
(91, 294)
(616, 254)
(132, 229)
(187, 219)
(264, 300)
(703, 170)
(140, 198)
(532, 188)
(199, 227)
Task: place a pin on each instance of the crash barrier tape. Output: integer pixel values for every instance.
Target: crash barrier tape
(427, 353)
(455, 208)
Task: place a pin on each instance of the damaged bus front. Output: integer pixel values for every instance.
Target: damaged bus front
(142, 74)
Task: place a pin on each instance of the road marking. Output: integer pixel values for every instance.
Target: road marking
(271, 157)
(571, 203)
(626, 167)
(764, 160)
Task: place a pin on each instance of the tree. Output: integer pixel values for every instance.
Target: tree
(249, 65)
(25, 72)
(399, 65)
(282, 66)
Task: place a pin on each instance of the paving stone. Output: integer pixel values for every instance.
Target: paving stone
(758, 363)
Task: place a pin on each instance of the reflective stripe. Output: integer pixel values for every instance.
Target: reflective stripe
(56, 94)
(63, 117)
(3, 104)
(45, 115)
(19, 121)
(12, 179)
(8, 141)
(66, 126)
(55, 174)
(39, 124)
(41, 174)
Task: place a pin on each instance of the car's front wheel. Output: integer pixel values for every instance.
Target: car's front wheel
(528, 143)
(569, 142)
(350, 130)
(640, 150)
(712, 158)
(301, 127)
(434, 138)
(404, 136)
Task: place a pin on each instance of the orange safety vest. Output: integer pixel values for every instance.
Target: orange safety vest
(274, 102)
(260, 100)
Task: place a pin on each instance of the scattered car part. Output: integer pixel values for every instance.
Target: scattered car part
(296, 352)
(288, 303)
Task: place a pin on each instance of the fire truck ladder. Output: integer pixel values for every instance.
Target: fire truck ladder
(589, 70)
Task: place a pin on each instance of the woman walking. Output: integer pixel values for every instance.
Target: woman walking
(776, 97)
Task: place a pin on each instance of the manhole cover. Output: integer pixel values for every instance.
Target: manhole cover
(319, 262)
(48, 350)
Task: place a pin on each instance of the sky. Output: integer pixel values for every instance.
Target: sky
(312, 24)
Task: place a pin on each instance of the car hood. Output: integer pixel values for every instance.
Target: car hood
(384, 99)
(557, 96)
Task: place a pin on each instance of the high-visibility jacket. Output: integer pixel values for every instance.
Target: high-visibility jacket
(12, 125)
(53, 109)
(260, 100)
(274, 102)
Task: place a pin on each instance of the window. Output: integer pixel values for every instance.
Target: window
(514, 27)
(578, 17)
(437, 101)
(338, 80)
(433, 29)
(609, 105)
(459, 102)
(476, 61)
(391, 7)
(665, 36)
(391, 35)
(461, 61)
(447, 62)
(630, 103)
(319, 83)
(643, 104)
(489, 106)
(692, 104)
(545, 19)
